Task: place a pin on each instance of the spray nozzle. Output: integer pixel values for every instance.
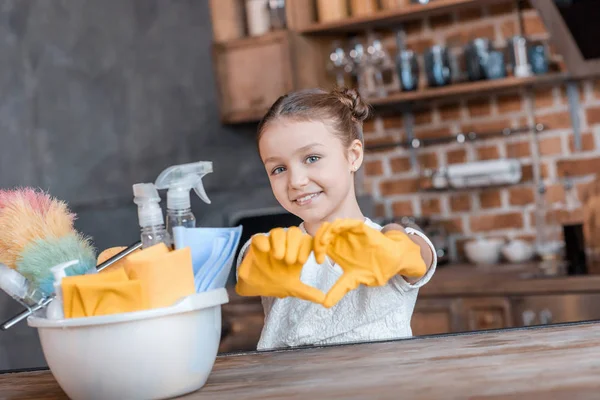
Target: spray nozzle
(147, 198)
(59, 270)
(179, 179)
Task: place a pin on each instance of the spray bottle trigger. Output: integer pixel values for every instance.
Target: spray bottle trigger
(199, 189)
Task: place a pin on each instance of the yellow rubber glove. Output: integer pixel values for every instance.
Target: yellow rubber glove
(273, 264)
(366, 255)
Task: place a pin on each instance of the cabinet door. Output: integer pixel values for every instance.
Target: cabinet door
(486, 313)
(251, 74)
(433, 316)
(241, 326)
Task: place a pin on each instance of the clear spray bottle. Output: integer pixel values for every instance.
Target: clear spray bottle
(150, 215)
(179, 180)
(18, 287)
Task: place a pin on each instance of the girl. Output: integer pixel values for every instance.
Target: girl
(311, 144)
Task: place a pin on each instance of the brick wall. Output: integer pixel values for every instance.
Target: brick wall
(505, 212)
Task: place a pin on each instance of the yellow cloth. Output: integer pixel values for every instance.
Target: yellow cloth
(273, 264)
(166, 276)
(101, 294)
(366, 255)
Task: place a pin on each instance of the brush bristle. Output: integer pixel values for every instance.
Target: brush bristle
(26, 216)
(40, 255)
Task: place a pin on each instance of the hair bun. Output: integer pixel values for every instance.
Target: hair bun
(351, 99)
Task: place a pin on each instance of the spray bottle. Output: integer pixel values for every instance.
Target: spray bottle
(150, 215)
(179, 179)
(55, 309)
(18, 287)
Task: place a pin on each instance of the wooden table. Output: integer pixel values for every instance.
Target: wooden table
(553, 362)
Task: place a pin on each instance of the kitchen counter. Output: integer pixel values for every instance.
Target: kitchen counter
(558, 362)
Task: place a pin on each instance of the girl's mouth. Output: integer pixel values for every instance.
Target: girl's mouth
(307, 199)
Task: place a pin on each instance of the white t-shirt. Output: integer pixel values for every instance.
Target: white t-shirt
(363, 314)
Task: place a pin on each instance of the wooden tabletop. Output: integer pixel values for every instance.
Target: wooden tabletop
(552, 362)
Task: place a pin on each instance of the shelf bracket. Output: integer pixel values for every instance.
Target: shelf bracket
(574, 107)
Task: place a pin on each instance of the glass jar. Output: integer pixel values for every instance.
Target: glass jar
(259, 19)
(332, 10)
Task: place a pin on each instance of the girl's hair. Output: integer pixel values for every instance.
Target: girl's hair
(341, 109)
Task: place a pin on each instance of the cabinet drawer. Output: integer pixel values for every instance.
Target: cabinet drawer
(433, 316)
(486, 313)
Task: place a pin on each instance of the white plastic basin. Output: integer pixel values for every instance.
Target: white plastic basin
(153, 354)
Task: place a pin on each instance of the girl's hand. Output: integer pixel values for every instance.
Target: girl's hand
(366, 255)
(273, 265)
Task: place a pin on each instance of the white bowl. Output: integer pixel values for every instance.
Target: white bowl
(154, 354)
(518, 251)
(484, 251)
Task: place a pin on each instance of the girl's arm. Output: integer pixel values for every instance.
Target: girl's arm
(426, 250)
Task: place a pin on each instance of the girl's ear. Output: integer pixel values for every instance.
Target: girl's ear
(355, 155)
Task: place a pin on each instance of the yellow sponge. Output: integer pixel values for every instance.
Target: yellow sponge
(149, 278)
(166, 276)
(101, 294)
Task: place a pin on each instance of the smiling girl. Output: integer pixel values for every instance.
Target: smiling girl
(311, 144)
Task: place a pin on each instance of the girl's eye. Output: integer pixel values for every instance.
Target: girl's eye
(277, 170)
(312, 159)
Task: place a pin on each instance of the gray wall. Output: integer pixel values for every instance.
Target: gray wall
(97, 95)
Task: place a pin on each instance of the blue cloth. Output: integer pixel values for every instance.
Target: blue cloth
(213, 250)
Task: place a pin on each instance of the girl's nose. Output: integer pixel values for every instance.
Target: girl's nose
(298, 178)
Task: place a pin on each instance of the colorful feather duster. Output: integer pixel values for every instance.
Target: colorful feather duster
(37, 233)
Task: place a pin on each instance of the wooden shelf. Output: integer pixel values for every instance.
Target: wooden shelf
(468, 89)
(243, 117)
(250, 41)
(389, 18)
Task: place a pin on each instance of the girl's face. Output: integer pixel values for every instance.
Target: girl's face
(309, 168)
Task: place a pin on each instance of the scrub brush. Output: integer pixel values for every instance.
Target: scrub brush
(37, 233)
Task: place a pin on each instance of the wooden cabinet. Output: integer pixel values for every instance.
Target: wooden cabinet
(243, 319)
(457, 314)
(252, 73)
(433, 316)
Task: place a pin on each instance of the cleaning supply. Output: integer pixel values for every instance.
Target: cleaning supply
(55, 309)
(48, 300)
(150, 215)
(272, 266)
(36, 233)
(179, 180)
(366, 255)
(165, 276)
(109, 292)
(17, 287)
(213, 252)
